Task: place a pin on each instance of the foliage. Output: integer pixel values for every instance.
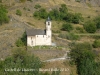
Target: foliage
(97, 21)
(67, 27)
(42, 13)
(80, 29)
(54, 14)
(37, 6)
(22, 0)
(19, 43)
(69, 36)
(90, 27)
(77, 0)
(78, 49)
(21, 60)
(96, 44)
(18, 12)
(0, 1)
(84, 57)
(77, 18)
(3, 15)
(59, 14)
(22, 41)
(72, 36)
(21, 63)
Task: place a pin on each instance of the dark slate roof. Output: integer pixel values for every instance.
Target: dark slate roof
(33, 32)
(48, 19)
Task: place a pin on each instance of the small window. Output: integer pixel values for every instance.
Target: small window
(48, 23)
(43, 36)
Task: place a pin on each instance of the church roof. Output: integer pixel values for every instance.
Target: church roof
(48, 19)
(33, 32)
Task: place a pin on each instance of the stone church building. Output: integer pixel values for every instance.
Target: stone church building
(40, 37)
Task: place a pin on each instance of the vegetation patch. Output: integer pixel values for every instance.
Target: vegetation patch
(90, 27)
(3, 15)
(69, 36)
(84, 57)
(96, 44)
(61, 14)
(22, 41)
(67, 27)
(18, 12)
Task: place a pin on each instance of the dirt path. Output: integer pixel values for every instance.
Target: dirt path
(59, 59)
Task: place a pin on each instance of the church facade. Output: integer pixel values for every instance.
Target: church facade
(40, 37)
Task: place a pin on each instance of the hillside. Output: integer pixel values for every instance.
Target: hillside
(12, 31)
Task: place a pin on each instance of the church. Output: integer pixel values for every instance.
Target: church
(38, 37)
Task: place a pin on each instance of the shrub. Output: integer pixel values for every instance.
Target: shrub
(80, 29)
(96, 44)
(3, 15)
(72, 36)
(37, 6)
(97, 21)
(19, 43)
(77, 0)
(22, 41)
(18, 12)
(90, 27)
(67, 27)
(69, 36)
(42, 13)
(22, 0)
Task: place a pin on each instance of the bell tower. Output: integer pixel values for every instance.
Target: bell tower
(48, 30)
(48, 26)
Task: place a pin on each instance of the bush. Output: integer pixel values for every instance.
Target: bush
(58, 14)
(80, 29)
(19, 43)
(72, 36)
(22, 0)
(97, 21)
(77, 0)
(37, 6)
(42, 13)
(96, 44)
(3, 15)
(67, 27)
(22, 41)
(69, 36)
(90, 27)
(18, 12)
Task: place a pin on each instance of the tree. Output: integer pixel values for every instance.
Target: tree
(67, 27)
(54, 14)
(90, 27)
(84, 58)
(21, 60)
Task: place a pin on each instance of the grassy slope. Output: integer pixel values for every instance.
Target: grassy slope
(14, 32)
